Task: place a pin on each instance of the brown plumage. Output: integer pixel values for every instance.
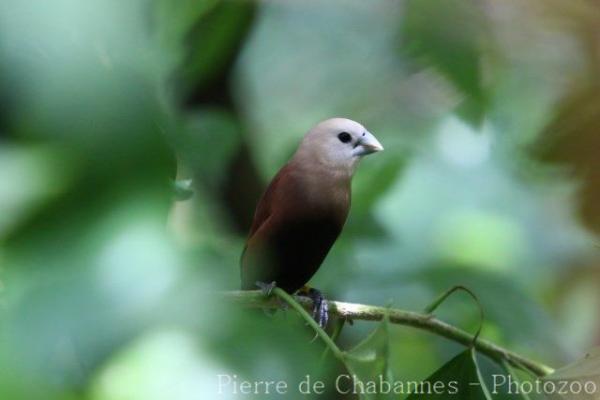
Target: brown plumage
(305, 206)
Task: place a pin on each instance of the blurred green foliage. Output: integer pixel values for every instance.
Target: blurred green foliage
(489, 115)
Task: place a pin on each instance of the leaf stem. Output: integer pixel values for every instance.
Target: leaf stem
(437, 302)
(291, 300)
(510, 371)
(339, 325)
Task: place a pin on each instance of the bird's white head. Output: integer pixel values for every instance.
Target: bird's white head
(338, 144)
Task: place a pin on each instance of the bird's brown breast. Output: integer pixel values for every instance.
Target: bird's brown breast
(297, 221)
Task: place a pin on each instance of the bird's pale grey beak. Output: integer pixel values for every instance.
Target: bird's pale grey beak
(366, 144)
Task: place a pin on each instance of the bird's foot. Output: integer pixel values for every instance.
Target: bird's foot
(267, 288)
(320, 310)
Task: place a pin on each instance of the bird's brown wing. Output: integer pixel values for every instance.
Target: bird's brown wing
(264, 207)
(262, 212)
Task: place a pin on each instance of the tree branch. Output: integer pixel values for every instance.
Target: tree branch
(352, 311)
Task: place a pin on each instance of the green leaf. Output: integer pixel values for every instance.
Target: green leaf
(459, 378)
(206, 143)
(585, 371)
(213, 43)
(447, 35)
(174, 20)
(369, 362)
(588, 366)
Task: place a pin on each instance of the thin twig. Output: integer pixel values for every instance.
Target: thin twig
(339, 325)
(256, 299)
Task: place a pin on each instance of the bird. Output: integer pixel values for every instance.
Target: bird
(303, 210)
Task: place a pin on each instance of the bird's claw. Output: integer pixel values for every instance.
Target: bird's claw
(266, 288)
(320, 307)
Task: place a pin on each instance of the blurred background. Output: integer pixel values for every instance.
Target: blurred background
(489, 112)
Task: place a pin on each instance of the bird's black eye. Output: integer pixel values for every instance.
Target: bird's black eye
(344, 137)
